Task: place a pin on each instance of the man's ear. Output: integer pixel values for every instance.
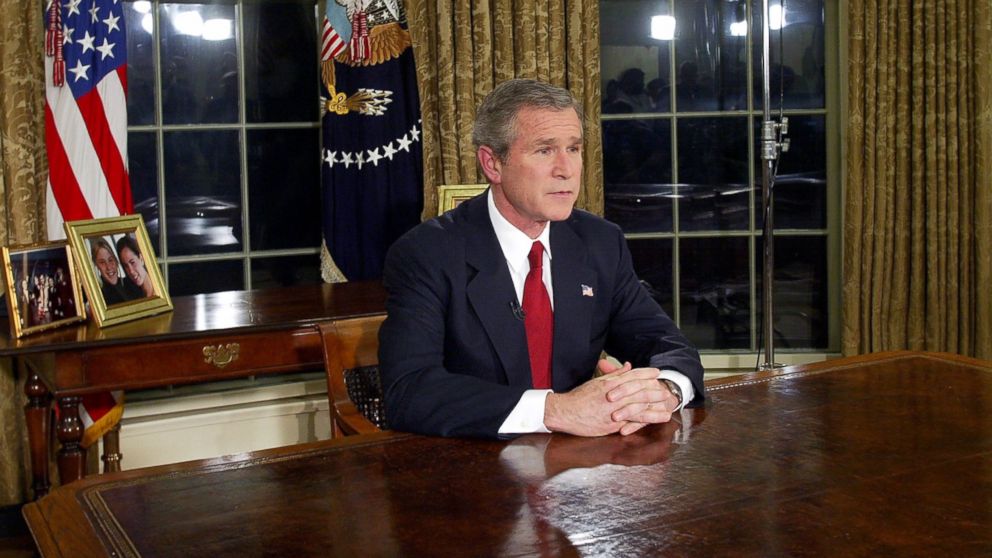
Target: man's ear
(490, 164)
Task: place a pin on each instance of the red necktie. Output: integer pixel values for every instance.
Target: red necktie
(538, 320)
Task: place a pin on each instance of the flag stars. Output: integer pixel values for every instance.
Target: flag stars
(106, 49)
(80, 70)
(93, 13)
(404, 143)
(73, 7)
(347, 159)
(111, 22)
(67, 35)
(374, 156)
(415, 133)
(87, 41)
(389, 150)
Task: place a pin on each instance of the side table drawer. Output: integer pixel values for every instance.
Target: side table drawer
(204, 359)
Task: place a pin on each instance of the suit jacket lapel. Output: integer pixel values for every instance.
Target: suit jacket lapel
(490, 292)
(575, 287)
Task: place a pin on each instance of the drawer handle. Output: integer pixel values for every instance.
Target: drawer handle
(221, 355)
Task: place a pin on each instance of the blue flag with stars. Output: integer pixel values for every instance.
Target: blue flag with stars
(372, 161)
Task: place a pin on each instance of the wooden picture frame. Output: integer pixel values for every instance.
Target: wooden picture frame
(449, 196)
(42, 289)
(117, 265)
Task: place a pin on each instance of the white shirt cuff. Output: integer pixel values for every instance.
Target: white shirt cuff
(528, 416)
(688, 394)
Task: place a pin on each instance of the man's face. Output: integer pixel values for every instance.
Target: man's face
(107, 264)
(539, 180)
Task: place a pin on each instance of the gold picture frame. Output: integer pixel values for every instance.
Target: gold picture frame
(449, 196)
(117, 264)
(42, 290)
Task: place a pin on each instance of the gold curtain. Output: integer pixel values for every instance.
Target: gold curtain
(23, 172)
(463, 48)
(918, 207)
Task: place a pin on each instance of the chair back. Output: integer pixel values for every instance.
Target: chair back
(351, 360)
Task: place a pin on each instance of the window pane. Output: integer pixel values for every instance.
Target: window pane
(285, 271)
(711, 56)
(715, 297)
(634, 65)
(713, 174)
(800, 291)
(800, 40)
(638, 173)
(800, 192)
(205, 277)
(284, 188)
(203, 192)
(653, 262)
(143, 171)
(280, 61)
(199, 63)
(140, 64)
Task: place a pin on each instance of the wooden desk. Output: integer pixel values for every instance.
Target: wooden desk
(258, 332)
(887, 455)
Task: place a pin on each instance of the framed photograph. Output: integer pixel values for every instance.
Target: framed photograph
(42, 290)
(452, 195)
(117, 267)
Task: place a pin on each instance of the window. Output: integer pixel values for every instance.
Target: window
(682, 94)
(223, 140)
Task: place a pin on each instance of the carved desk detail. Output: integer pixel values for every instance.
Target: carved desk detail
(221, 355)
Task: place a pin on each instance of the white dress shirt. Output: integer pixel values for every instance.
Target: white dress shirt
(528, 415)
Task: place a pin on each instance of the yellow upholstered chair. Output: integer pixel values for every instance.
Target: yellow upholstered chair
(453, 194)
(351, 361)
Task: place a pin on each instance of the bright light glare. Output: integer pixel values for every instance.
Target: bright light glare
(188, 23)
(776, 17)
(142, 6)
(662, 27)
(738, 29)
(146, 23)
(217, 29)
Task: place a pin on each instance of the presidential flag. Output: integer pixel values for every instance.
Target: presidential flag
(372, 163)
(86, 137)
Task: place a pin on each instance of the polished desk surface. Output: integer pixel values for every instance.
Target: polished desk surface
(194, 315)
(885, 455)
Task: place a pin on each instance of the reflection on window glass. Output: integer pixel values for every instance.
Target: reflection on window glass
(285, 271)
(634, 58)
(202, 192)
(143, 171)
(713, 174)
(715, 295)
(140, 63)
(206, 277)
(800, 188)
(800, 291)
(284, 188)
(653, 261)
(797, 36)
(281, 74)
(199, 63)
(710, 55)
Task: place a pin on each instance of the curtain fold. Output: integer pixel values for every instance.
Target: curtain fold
(23, 172)
(464, 48)
(917, 237)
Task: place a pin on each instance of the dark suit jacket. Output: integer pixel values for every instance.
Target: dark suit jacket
(453, 355)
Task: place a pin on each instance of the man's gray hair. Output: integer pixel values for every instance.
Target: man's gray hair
(496, 118)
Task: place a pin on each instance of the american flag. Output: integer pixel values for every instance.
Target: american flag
(86, 136)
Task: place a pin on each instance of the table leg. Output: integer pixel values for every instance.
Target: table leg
(37, 417)
(72, 457)
(112, 450)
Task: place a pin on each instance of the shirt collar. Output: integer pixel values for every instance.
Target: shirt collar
(514, 243)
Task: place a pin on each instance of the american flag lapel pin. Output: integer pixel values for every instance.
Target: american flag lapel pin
(586, 290)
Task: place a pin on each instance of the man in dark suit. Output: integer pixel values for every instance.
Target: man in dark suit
(513, 286)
